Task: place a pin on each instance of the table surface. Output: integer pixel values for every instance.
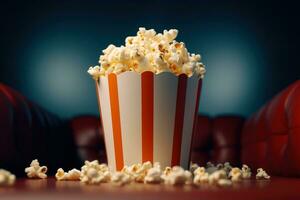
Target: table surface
(276, 188)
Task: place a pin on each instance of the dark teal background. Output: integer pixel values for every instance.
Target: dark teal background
(250, 48)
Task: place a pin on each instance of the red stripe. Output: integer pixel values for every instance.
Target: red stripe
(179, 118)
(147, 116)
(195, 118)
(115, 118)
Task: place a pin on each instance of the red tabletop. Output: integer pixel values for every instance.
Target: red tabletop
(276, 188)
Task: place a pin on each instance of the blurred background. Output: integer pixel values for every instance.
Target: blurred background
(250, 48)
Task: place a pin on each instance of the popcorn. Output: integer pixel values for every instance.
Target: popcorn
(235, 174)
(199, 179)
(227, 167)
(224, 182)
(246, 172)
(193, 167)
(94, 173)
(141, 172)
(131, 170)
(153, 175)
(149, 51)
(209, 164)
(71, 175)
(177, 176)
(200, 171)
(60, 174)
(36, 171)
(262, 174)
(96, 71)
(216, 176)
(220, 166)
(6, 178)
(210, 168)
(121, 178)
(200, 176)
(166, 172)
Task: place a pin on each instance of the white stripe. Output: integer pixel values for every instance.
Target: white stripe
(189, 111)
(107, 123)
(165, 93)
(129, 89)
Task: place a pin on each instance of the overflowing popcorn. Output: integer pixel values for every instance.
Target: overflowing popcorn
(71, 175)
(94, 173)
(262, 174)
(36, 171)
(6, 178)
(149, 51)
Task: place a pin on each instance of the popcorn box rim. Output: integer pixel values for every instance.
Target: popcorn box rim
(154, 74)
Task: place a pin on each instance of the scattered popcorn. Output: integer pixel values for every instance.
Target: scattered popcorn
(224, 182)
(94, 173)
(131, 170)
(35, 170)
(71, 175)
(142, 171)
(199, 179)
(235, 174)
(154, 175)
(200, 176)
(220, 166)
(167, 171)
(200, 171)
(121, 178)
(149, 51)
(193, 167)
(216, 176)
(138, 171)
(227, 168)
(6, 178)
(60, 174)
(246, 172)
(177, 176)
(262, 174)
(210, 168)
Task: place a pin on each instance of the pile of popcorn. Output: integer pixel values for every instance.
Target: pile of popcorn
(149, 51)
(93, 172)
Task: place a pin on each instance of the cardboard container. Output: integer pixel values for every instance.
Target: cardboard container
(148, 117)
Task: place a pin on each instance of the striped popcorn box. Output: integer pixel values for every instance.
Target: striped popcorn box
(148, 117)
